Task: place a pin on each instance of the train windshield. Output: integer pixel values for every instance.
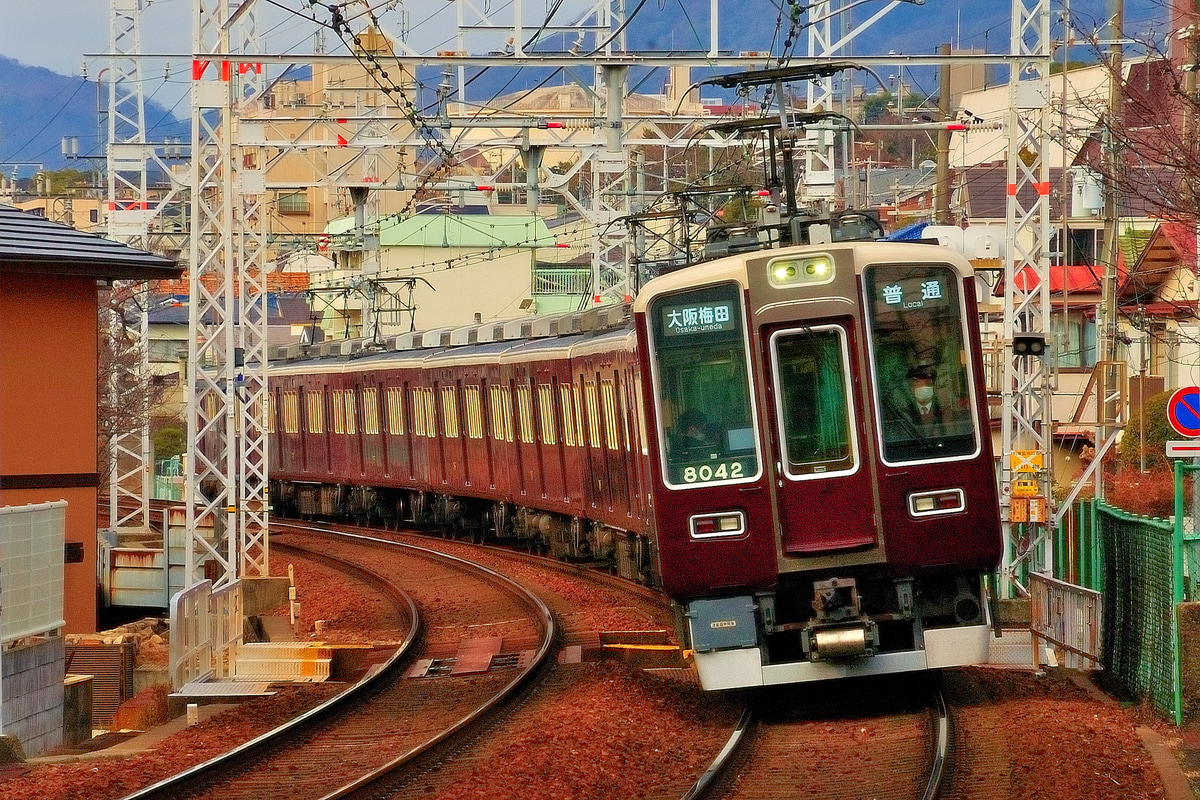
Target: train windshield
(921, 362)
(705, 412)
(812, 395)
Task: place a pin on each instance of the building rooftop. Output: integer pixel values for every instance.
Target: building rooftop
(29, 243)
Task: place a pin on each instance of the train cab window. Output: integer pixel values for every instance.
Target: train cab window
(922, 367)
(812, 396)
(701, 361)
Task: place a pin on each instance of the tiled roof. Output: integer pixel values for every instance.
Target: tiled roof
(29, 243)
(276, 282)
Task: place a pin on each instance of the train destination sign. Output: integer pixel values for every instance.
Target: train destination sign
(686, 320)
(913, 293)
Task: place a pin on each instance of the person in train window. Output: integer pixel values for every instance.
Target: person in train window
(925, 407)
(691, 430)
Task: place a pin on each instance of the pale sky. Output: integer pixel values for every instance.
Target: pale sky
(58, 33)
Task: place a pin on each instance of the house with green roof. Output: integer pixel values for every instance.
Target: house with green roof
(447, 269)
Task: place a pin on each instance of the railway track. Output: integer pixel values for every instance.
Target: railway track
(372, 728)
(544, 708)
(902, 746)
(876, 738)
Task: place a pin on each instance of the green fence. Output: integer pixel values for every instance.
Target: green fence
(1140, 581)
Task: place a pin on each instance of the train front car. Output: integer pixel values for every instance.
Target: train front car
(824, 491)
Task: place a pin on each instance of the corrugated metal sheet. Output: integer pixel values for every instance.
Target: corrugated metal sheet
(111, 665)
(29, 243)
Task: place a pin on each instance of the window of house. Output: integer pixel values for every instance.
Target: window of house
(293, 202)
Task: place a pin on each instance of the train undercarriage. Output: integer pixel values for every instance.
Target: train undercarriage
(816, 627)
(569, 538)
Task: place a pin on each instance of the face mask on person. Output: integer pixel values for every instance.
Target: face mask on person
(923, 394)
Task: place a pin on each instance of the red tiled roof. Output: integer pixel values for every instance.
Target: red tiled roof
(1079, 278)
(293, 282)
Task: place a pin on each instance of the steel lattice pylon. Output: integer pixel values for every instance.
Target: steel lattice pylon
(129, 445)
(227, 476)
(1025, 470)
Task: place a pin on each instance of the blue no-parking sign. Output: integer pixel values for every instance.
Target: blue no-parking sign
(1183, 411)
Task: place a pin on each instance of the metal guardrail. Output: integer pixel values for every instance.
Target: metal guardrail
(206, 629)
(1067, 616)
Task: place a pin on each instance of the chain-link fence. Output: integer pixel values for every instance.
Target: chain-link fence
(1140, 651)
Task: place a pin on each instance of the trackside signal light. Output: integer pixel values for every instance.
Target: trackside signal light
(1029, 344)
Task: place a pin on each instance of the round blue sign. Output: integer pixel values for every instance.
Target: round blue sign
(1183, 411)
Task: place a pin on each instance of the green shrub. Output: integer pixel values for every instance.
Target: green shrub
(1150, 441)
(169, 442)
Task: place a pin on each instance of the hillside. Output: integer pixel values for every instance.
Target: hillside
(39, 107)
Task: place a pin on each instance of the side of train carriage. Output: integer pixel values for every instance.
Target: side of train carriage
(792, 444)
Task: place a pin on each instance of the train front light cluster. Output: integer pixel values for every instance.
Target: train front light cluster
(795, 271)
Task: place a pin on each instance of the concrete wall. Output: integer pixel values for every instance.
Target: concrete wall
(33, 692)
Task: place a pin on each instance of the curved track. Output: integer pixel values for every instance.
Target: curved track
(876, 739)
(370, 728)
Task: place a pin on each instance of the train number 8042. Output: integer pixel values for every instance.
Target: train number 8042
(723, 471)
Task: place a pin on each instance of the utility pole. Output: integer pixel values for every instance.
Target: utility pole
(1108, 334)
(941, 200)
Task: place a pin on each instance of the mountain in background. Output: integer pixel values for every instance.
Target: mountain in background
(38, 108)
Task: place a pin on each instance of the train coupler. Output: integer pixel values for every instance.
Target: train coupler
(839, 629)
(858, 639)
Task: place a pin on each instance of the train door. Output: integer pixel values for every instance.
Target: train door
(819, 439)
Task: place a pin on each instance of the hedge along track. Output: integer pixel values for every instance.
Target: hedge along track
(369, 728)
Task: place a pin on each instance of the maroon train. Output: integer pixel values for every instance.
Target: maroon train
(792, 444)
